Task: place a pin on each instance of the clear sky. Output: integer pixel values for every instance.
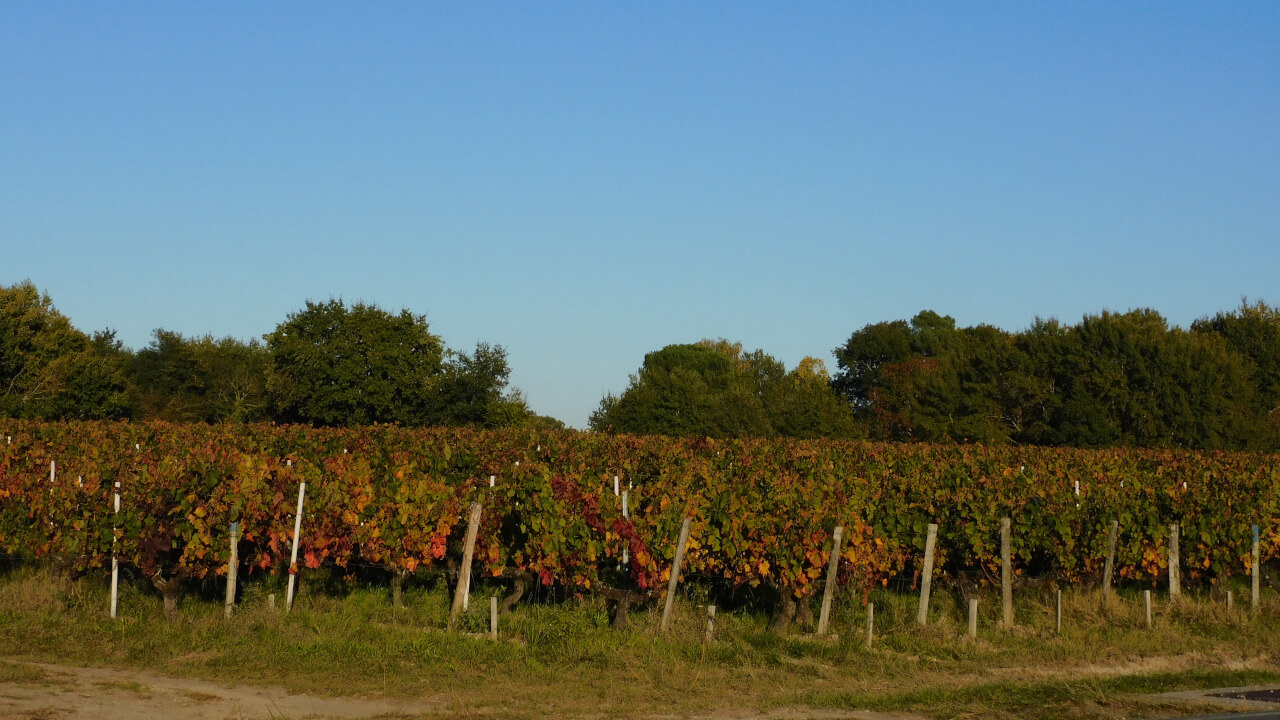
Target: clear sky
(585, 182)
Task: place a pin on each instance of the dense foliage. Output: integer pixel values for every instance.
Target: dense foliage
(762, 510)
(714, 389)
(1114, 379)
(327, 364)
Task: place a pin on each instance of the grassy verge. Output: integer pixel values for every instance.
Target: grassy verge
(563, 660)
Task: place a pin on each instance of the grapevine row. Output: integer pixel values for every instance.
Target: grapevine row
(762, 509)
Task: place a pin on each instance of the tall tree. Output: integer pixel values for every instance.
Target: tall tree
(712, 388)
(200, 379)
(338, 365)
(51, 370)
(1253, 331)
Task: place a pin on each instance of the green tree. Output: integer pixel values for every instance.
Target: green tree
(336, 365)
(889, 373)
(713, 389)
(1253, 331)
(200, 379)
(49, 369)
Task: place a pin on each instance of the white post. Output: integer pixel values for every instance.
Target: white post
(973, 618)
(1146, 601)
(626, 549)
(293, 559)
(115, 562)
(615, 485)
(53, 470)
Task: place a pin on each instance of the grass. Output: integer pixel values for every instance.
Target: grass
(563, 660)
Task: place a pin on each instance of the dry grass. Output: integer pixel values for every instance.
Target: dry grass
(562, 659)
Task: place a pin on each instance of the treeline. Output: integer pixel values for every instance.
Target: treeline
(328, 364)
(1113, 379)
(1110, 380)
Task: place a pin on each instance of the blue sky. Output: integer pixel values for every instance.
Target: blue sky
(585, 182)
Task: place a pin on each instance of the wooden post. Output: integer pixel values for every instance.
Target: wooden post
(1175, 582)
(926, 575)
(115, 562)
(233, 564)
(1257, 566)
(1059, 624)
(271, 602)
(711, 624)
(1112, 536)
(1146, 601)
(293, 558)
(675, 574)
(1230, 600)
(973, 618)
(1006, 571)
(833, 565)
(493, 617)
(464, 572)
(871, 623)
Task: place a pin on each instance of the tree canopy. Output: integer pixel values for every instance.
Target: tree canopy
(326, 364)
(1112, 379)
(48, 368)
(714, 389)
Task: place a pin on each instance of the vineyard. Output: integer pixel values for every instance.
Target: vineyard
(593, 513)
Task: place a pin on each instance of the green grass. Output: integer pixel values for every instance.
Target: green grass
(563, 659)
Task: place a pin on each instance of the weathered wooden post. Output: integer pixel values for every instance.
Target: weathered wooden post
(1146, 601)
(711, 624)
(493, 617)
(833, 565)
(464, 572)
(1175, 581)
(871, 622)
(973, 618)
(1257, 566)
(675, 574)
(926, 575)
(1006, 571)
(1112, 536)
(1059, 623)
(233, 565)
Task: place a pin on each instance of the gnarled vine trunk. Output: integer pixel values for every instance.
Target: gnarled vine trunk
(170, 590)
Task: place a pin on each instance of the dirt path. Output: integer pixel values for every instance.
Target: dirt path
(37, 691)
(42, 691)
